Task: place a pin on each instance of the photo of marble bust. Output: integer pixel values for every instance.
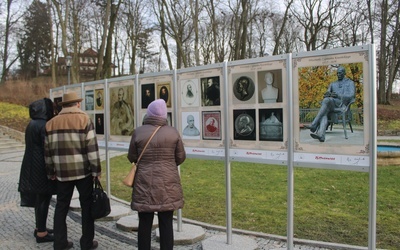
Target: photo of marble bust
(190, 125)
(269, 83)
(269, 93)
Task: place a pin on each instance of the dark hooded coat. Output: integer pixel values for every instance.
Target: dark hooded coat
(33, 177)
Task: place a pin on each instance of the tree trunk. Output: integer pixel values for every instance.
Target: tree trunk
(164, 41)
(63, 24)
(100, 55)
(53, 62)
(195, 15)
(5, 67)
(382, 55)
(108, 52)
(282, 29)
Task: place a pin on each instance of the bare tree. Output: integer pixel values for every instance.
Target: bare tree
(135, 12)
(63, 21)
(239, 29)
(318, 19)
(159, 11)
(77, 12)
(389, 54)
(108, 53)
(53, 64)
(354, 29)
(212, 31)
(195, 10)
(101, 50)
(11, 21)
(283, 27)
(179, 27)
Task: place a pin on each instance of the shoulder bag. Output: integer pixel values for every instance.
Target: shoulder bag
(128, 180)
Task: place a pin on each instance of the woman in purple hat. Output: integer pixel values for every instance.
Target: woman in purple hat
(157, 186)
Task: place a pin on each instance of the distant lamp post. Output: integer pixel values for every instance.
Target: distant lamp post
(68, 62)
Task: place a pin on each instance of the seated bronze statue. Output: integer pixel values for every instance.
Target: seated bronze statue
(339, 95)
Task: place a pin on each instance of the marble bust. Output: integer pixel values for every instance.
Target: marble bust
(269, 93)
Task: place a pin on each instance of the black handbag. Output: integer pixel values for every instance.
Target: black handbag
(100, 201)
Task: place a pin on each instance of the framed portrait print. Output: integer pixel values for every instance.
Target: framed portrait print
(190, 93)
(99, 101)
(211, 125)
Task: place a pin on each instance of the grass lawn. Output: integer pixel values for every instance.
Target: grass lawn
(329, 205)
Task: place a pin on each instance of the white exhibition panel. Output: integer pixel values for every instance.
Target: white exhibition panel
(212, 127)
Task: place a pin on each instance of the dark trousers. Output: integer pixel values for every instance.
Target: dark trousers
(165, 226)
(65, 191)
(41, 211)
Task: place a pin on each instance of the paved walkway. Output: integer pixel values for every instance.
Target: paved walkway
(17, 223)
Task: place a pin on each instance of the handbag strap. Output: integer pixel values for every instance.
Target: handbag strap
(147, 143)
(97, 183)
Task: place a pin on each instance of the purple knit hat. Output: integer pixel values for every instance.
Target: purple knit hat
(157, 108)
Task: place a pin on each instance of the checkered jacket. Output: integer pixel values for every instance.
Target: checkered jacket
(71, 149)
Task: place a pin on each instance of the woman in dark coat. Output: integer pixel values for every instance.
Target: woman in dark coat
(33, 181)
(157, 186)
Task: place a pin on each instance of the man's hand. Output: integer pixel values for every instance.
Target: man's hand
(330, 94)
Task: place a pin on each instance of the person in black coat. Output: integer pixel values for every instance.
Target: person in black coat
(34, 186)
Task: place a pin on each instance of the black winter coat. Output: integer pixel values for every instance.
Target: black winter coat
(33, 177)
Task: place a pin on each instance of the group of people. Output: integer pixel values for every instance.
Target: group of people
(62, 154)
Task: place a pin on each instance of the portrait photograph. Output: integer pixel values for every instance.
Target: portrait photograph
(211, 125)
(269, 86)
(190, 93)
(210, 91)
(99, 102)
(164, 92)
(243, 88)
(99, 124)
(271, 124)
(89, 100)
(190, 125)
(121, 110)
(57, 101)
(169, 119)
(148, 94)
(244, 124)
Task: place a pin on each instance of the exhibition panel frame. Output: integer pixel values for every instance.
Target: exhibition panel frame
(250, 110)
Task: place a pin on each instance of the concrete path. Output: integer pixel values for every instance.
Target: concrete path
(117, 230)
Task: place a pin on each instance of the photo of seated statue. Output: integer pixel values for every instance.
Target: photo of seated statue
(339, 94)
